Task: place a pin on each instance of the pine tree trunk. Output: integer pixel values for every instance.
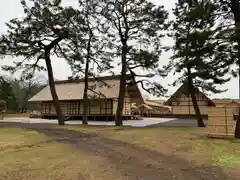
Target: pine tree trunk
(53, 89)
(86, 85)
(200, 122)
(235, 5)
(237, 128)
(85, 104)
(118, 118)
(192, 92)
(122, 88)
(85, 101)
(85, 96)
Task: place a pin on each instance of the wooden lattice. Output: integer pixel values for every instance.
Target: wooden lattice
(221, 122)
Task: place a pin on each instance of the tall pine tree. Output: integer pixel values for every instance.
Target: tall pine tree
(134, 22)
(196, 50)
(89, 48)
(229, 18)
(37, 36)
(232, 9)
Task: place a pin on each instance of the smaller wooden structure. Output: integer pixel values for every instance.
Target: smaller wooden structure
(145, 110)
(149, 108)
(181, 102)
(221, 122)
(158, 107)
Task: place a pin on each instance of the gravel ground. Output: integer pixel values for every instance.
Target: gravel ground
(146, 122)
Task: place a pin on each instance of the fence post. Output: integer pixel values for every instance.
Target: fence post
(237, 128)
(226, 121)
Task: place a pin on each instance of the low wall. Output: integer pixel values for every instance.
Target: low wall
(184, 116)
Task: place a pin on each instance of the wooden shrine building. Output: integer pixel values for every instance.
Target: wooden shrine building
(103, 96)
(181, 102)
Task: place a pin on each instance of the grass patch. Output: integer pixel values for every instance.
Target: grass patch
(228, 158)
(184, 142)
(29, 155)
(13, 137)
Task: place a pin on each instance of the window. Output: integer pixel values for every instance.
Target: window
(127, 107)
(72, 107)
(80, 106)
(109, 107)
(46, 108)
(106, 107)
(69, 108)
(94, 106)
(75, 107)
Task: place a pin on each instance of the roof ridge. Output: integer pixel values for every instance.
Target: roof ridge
(99, 78)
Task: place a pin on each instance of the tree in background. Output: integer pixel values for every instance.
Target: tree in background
(17, 92)
(23, 90)
(6, 93)
(197, 49)
(38, 36)
(132, 22)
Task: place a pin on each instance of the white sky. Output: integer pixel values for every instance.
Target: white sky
(12, 8)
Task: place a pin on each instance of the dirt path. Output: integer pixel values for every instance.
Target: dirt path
(133, 162)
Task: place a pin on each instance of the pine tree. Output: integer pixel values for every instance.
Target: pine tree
(90, 48)
(39, 35)
(197, 49)
(229, 14)
(229, 11)
(134, 22)
(235, 8)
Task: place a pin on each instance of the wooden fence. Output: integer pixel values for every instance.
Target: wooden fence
(221, 122)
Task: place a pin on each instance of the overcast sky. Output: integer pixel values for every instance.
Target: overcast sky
(12, 8)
